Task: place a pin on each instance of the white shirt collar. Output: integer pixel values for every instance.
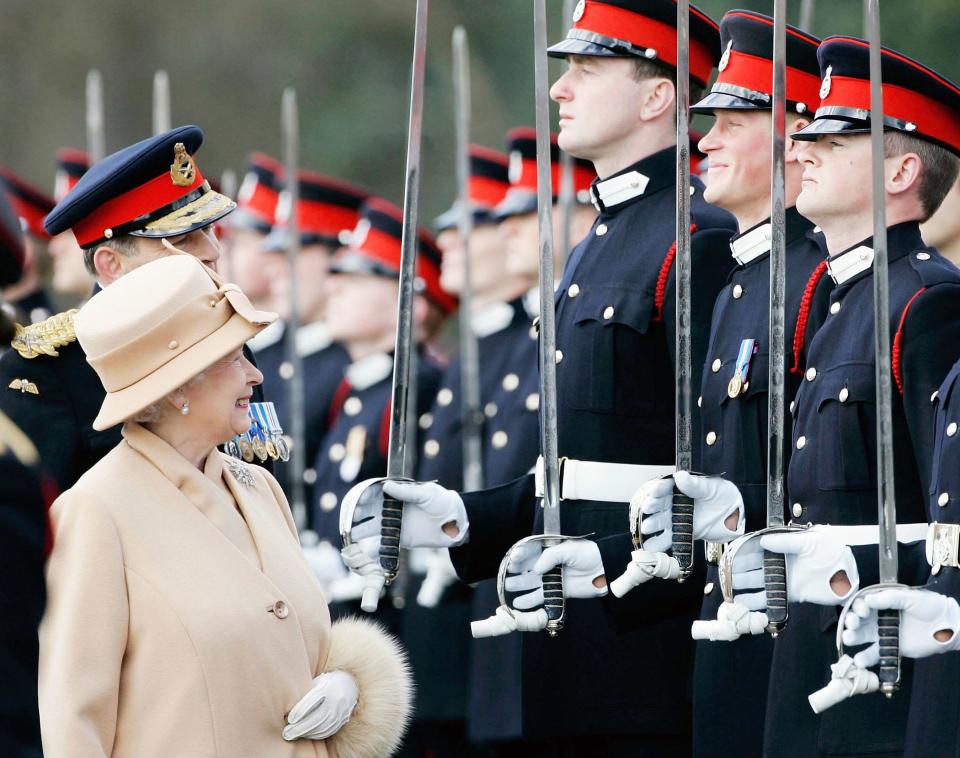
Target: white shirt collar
(847, 265)
(368, 371)
(312, 338)
(618, 189)
(751, 244)
(491, 318)
(268, 337)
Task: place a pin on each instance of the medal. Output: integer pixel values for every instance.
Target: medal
(246, 449)
(738, 383)
(734, 386)
(283, 450)
(271, 449)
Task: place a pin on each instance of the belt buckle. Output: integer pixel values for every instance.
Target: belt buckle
(943, 546)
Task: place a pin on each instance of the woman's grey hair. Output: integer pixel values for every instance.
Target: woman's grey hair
(156, 411)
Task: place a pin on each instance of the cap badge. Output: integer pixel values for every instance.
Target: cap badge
(578, 11)
(515, 169)
(183, 170)
(827, 82)
(360, 233)
(725, 59)
(284, 207)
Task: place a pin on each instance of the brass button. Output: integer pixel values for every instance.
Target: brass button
(426, 420)
(328, 501)
(835, 308)
(608, 312)
(573, 290)
(793, 405)
(943, 499)
(601, 230)
(431, 448)
(844, 394)
(490, 410)
(511, 382)
(811, 374)
(708, 588)
(716, 365)
(309, 476)
(737, 292)
(173, 345)
(499, 439)
(801, 442)
(286, 370)
(279, 609)
(711, 438)
(923, 256)
(445, 396)
(700, 402)
(797, 510)
(532, 402)
(952, 429)
(559, 356)
(337, 452)
(353, 406)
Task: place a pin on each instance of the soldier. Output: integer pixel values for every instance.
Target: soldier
(730, 680)
(615, 381)
(28, 296)
(248, 227)
(326, 208)
(71, 280)
(832, 476)
(25, 495)
(124, 212)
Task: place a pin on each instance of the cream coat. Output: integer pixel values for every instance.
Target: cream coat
(161, 636)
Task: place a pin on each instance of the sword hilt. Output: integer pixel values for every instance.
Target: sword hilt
(775, 584)
(682, 523)
(888, 633)
(390, 525)
(553, 602)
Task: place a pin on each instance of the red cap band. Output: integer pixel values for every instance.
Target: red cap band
(756, 73)
(486, 192)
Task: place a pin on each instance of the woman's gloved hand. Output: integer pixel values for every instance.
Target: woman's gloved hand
(325, 709)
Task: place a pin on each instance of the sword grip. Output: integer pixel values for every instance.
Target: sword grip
(553, 602)
(390, 525)
(888, 632)
(682, 522)
(775, 583)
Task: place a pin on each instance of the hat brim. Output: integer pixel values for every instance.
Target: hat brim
(123, 404)
(515, 204)
(572, 46)
(722, 101)
(209, 207)
(450, 218)
(279, 240)
(830, 126)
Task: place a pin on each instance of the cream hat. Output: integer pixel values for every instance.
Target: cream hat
(155, 328)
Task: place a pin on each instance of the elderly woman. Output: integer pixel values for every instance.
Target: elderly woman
(182, 619)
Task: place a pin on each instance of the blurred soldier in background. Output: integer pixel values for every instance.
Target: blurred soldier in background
(71, 281)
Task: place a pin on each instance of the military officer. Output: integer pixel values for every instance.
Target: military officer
(615, 377)
(730, 680)
(71, 281)
(124, 212)
(29, 296)
(832, 472)
(326, 208)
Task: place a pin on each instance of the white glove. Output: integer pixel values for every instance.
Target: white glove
(325, 561)
(505, 621)
(645, 566)
(325, 709)
(733, 621)
(922, 614)
(813, 556)
(427, 508)
(847, 680)
(748, 575)
(440, 575)
(366, 579)
(715, 500)
(581, 562)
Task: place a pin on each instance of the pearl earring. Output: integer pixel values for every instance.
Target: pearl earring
(185, 409)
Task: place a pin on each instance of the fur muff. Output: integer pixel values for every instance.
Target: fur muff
(379, 664)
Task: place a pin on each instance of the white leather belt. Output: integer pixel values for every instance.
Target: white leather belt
(943, 546)
(604, 482)
(869, 534)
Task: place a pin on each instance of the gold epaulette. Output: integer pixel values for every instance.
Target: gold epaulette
(44, 337)
(18, 443)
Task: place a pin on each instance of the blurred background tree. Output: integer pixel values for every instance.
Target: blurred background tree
(229, 60)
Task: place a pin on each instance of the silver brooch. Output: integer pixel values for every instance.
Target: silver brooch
(241, 472)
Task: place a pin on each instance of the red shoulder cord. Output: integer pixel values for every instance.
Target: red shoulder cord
(339, 398)
(803, 316)
(661, 292)
(897, 351)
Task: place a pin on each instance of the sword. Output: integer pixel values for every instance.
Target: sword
(392, 518)
(228, 186)
(291, 151)
(774, 564)
(553, 579)
(469, 358)
(566, 194)
(682, 513)
(161, 102)
(806, 15)
(888, 621)
(95, 138)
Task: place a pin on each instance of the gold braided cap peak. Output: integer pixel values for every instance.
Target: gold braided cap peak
(44, 337)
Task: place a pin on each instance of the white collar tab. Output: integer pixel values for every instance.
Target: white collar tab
(752, 244)
(847, 265)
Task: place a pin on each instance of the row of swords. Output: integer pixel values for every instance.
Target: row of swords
(401, 447)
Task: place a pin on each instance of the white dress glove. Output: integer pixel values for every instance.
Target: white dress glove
(324, 559)
(732, 622)
(923, 613)
(427, 508)
(644, 566)
(440, 574)
(714, 500)
(365, 580)
(325, 709)
(813, 556)
(580, 561)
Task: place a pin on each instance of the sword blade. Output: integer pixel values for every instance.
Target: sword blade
(290, 118)
(96, 143)
(806, 14)
(566, 195)
(161, 102)
(469, 357)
